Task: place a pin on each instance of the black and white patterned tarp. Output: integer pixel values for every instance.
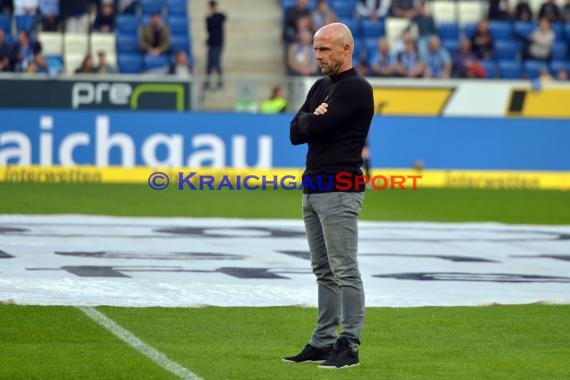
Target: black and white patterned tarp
(125, 261)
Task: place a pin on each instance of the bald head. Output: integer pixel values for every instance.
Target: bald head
(334, 45)
(336, 32)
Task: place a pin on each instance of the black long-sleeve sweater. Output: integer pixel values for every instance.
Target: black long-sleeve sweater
(336, 138)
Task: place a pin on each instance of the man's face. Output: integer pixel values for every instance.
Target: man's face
(329, 53)
(155, 21)
(23, 38)
(434, 46)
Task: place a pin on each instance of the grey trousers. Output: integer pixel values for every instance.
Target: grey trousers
(332, 232)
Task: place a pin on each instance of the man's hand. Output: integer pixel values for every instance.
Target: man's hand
(321, 110)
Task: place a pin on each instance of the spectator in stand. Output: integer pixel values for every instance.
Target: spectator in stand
(562, 75)
(181, 67)
(74, 12)
(403, 8)
(292, 15)
(103, 66)
(500, 10)
(540, 42)
(38, 65)
(437, 60)
(23, 52)
(49, 10)
(382, 62)
(26, 7)
(4, 53)
(482, 41)
(215, 26)
(105, 20)
(301, 56)
(7, 7)
(372, 9)
(550, 11)
(322, 15)
(523, 12)
(400, 44)
(425, 25)
(276, 103)
(464, 62)
(87, 66)
(154, 38)
(303, 24)
(409, 64)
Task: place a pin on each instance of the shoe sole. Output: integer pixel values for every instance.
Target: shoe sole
(304, 362)
(343, 367)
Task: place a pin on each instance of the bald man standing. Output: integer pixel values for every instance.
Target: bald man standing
(334, 122)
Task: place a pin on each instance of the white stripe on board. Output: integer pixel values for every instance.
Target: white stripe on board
(148, 351)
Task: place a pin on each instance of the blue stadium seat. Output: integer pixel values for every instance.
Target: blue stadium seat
(555, 66)
(490, 67)
(179, 26)
(287, 3)
(559, 50)
(177, 8)
(25, 22)
(181, 43)
(371, 45)
(510, 69)
(501, 30)
(533, 68)
(54, 64)
(524, 29)
(506, 50)
(452, 45)
(343, 8)
(153, 62)
(5, 23)
(558, 29)
(149, 7)
(448, 30)
(469, 30)
(567, 32)
(127, 24)
(127, 43)
(130, 63)
(8, 39)
(372, 28)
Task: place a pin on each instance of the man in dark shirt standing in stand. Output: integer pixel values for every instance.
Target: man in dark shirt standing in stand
(334, 122)
(215, 26)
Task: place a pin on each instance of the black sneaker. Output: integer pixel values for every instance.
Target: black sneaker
(310, 354)
(343, 356)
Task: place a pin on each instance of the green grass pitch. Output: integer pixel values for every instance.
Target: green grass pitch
(493, 342)
(440, 205)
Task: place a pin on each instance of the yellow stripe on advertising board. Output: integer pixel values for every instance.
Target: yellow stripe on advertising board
(411, 101)
(428, 179)
(549, 102)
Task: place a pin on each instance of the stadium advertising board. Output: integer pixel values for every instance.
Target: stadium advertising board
(113, 146)
(464, 98)
(95, 94)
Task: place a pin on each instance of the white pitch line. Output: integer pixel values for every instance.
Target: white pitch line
(129, 338)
